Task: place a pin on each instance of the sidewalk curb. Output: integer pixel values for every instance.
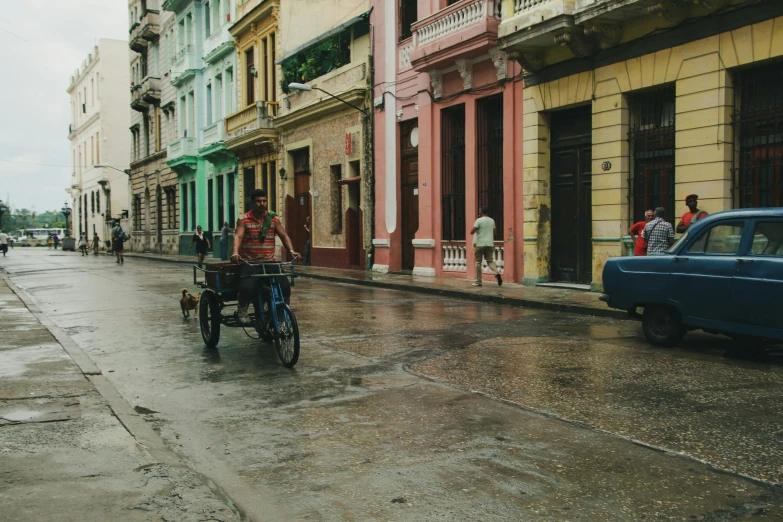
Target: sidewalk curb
(441, 292)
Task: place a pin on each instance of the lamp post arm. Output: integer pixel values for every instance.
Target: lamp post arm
(363, 111)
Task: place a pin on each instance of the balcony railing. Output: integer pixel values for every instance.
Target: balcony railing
(213, 133)
(150, 25)
(137, 103)
(183, 64)
(252, 117)
(454, 18)
(182, 147)
(465, 28)
(150, 89)
(455, 257)
(218, 44)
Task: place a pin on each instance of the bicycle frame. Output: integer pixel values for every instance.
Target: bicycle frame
(276, 298)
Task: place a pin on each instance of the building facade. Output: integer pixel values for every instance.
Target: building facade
(154, 191)
(326, 130)
(251, 134)
(202, 74)
(99, 119)
(448, 129)
(634, 105)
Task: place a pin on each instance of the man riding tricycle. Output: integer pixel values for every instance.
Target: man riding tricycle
(253, 277)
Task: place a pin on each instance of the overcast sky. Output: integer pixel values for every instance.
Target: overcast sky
(52, 40)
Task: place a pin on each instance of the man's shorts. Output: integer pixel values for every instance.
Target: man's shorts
(117, 246)
(4, 248)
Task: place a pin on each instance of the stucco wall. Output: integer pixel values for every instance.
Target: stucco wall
(702, 73)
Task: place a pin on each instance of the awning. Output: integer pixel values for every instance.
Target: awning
(318, 39)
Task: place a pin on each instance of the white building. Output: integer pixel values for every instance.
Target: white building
(98, 134)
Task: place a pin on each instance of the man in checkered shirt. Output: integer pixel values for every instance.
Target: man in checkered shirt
(658, 233)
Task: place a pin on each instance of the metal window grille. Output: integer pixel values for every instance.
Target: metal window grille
(453, 173)
(490, 159)
(759, 120)
(651, 138)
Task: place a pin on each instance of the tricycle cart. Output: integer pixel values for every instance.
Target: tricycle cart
(271, 318)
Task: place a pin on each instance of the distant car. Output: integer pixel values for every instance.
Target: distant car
(725, 275)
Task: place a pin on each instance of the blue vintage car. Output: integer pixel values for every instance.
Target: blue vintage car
(725, 275)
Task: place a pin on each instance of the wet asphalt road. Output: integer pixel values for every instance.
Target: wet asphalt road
(392, 411)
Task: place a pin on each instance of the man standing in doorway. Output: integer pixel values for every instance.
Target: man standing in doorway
(639, 244)
(693, 214)
(658, 233)
(484, 245)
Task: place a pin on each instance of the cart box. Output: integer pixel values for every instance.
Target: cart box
(229, 275)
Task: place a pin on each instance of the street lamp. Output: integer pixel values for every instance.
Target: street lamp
(305, 87)
(66, 212)
(126, 171)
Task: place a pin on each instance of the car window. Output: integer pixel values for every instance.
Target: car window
(767, 239)
(721, 239)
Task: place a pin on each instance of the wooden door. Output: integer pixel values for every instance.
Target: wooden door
(302, 206)
(249, 184)
(159, 218)
(571, 186)
(409, 189)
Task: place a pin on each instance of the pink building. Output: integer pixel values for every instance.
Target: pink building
(448, 137)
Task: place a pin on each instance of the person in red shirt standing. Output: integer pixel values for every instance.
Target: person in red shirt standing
(639, 243)
(693, 214)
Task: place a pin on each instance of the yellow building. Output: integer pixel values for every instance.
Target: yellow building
(630, 105)
(251, 133)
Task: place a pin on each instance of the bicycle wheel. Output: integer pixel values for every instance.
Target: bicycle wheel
(209, 319)
(287, 340)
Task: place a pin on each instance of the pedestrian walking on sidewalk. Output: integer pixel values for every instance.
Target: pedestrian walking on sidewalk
(224, 232)
(56, 240)
(308, 241)
(202, 244)
(117, 242)
(484, 245)
(3, 242)
(50, 241)
(658, 233)
(83, 245)
(96, 245)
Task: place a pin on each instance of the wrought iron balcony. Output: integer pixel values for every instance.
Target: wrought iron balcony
(465, 29)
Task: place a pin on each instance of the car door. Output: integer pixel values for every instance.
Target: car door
(702, 274)
(758, 280)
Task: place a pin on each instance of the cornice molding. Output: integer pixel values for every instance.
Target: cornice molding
(323, 107)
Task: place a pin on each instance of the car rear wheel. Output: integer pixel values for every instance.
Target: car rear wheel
(662, 326)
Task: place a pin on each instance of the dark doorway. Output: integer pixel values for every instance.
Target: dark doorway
(353, 220)
(302, 203)
(489, 115)
(409, 189)
(249, 186)
(159, 217)
(571, 182)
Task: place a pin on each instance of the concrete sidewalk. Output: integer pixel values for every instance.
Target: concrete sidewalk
(510, 294)
(72, 448)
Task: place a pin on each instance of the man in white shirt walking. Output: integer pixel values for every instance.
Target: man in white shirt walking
(3, 242)
(484, 244)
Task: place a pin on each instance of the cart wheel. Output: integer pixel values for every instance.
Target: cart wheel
(287, 341)
(209, 319)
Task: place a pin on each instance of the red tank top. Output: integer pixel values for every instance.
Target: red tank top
(252, 248)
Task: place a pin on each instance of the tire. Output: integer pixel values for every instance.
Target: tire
(209, 319)
(662, 326)
(287, 342)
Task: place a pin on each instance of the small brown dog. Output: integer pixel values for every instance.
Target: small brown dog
(189, 302)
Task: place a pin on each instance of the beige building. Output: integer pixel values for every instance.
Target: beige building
(325, 130)
(99, 120)
(633, 105)
(154, 198)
